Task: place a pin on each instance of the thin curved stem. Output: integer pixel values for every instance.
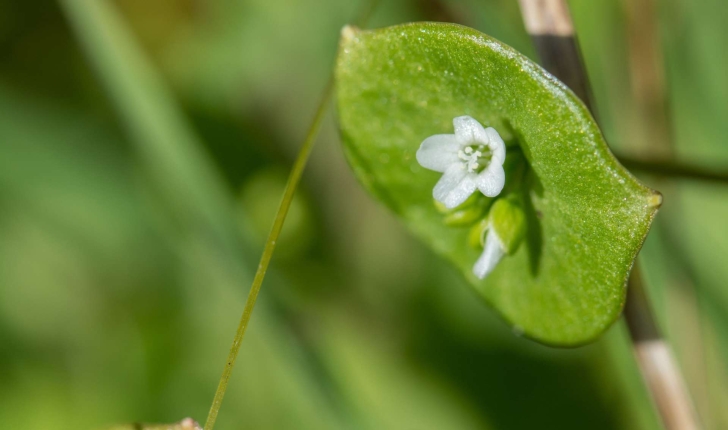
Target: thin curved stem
(291, 185)
(270, 245)
(656, 360)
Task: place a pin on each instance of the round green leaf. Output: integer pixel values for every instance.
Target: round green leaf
(586, 215)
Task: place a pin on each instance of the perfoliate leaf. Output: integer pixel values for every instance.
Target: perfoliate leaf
(586, 216)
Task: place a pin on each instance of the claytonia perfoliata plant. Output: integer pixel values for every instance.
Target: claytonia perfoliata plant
(471, 159)
(554, 198)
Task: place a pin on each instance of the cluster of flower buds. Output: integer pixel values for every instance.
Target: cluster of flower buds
(472, 160)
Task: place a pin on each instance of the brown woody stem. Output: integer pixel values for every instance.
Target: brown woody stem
(549, 24)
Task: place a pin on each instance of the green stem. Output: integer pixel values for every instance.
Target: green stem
(275, 231)
(270, 245)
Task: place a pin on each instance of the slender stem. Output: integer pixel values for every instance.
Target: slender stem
(674, 169)
(659, 369)
(293, 179)
(549, 23)
(367, 9)
(270, 245)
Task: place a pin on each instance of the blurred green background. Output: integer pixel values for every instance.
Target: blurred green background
(144, 147)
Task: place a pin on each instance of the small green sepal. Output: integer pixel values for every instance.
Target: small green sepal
(508, 220)
(476, 236)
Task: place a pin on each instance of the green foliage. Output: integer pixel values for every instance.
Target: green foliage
(586, 215)
(98, 273)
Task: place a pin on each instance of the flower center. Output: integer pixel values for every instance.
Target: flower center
(475, 157)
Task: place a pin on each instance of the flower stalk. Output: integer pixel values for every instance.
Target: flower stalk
(270, 245)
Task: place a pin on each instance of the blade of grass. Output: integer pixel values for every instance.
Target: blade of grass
(173, 156)
(182, 173)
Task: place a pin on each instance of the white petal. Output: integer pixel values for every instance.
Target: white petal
(455, 186)
(491, 180)
(495, 143)
(438, 152)
(492, 254)
(468, 130)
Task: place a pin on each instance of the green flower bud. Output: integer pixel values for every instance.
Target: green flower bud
(464, 217)
(476, 236)
(508, 219)
(440, 207)
(469, 212)
(470, 201)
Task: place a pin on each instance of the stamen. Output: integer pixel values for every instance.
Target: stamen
(474, 157)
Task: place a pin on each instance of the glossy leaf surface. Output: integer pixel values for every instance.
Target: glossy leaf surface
(586, 215)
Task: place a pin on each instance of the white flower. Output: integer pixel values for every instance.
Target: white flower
(470, 159)
(492, 254)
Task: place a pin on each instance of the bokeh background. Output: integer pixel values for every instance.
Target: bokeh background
(144, 147)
